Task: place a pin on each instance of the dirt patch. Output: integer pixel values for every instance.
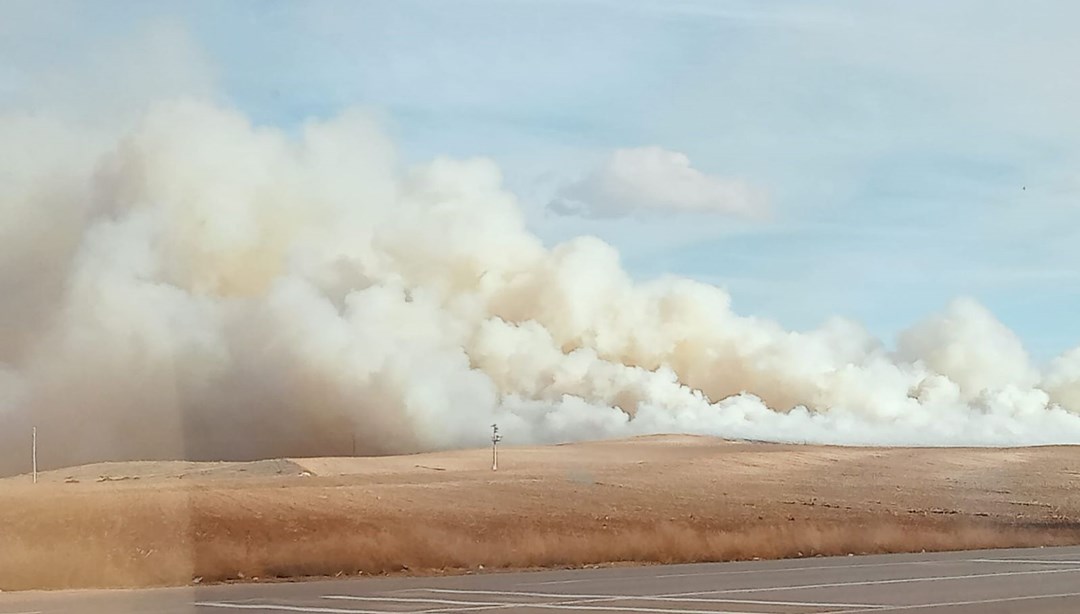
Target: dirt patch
(651, 500)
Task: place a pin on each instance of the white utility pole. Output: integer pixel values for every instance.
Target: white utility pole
(495, 439)
(34, 453)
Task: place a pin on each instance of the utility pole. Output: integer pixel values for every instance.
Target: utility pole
(495, 439)
(33, 453)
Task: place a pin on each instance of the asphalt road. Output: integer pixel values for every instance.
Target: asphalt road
(1036, 581)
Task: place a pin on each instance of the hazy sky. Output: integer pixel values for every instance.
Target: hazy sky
(865, 159)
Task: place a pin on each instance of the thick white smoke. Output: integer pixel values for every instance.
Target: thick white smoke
(197, 287)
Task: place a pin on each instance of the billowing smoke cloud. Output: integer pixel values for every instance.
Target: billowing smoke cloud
(198, 287)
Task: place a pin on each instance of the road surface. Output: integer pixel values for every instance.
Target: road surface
(1033, 581)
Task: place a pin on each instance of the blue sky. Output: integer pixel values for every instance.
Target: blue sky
(911, 152)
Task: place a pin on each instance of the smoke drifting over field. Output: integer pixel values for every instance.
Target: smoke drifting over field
(197, 287)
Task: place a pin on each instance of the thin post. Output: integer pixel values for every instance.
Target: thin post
(33, 453)
(495, 438)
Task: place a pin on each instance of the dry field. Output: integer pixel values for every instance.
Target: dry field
(647, 500)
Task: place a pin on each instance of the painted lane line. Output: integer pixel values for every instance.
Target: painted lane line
(281, 608)
(1025, 561)
(575, 605)
(951, 604)
(874, 582)
(478, 608)
(580, 605)
(503, 606)
(846, 606)
(572, 606)
(622, 608)
(665, 598)
(467, 605)
(461, 591)
(418, 600)
(802, 604)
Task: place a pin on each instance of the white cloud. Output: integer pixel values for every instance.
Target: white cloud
(653, 179)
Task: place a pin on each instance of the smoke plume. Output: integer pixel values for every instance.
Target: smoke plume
(195, 286)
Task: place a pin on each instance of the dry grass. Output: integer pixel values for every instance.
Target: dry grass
(96, 561)
(430, 550)
(605, 503)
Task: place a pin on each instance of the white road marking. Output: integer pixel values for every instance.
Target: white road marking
(622, 608)
(847, 606)
(664, 598)
(565, 603)
(894, 608)
(575, 606)
(461, 591)
(501, 606)
(873, 582)
(1025, 561)
(282, 608)
(805, 604)
(409, 600)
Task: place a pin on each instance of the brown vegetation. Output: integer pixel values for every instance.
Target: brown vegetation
(651, 500)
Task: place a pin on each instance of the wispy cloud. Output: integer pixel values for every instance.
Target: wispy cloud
(653, 180)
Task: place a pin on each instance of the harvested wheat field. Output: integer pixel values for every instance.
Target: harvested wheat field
(646, 500)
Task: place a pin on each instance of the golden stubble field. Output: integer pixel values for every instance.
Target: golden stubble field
(647, 500)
